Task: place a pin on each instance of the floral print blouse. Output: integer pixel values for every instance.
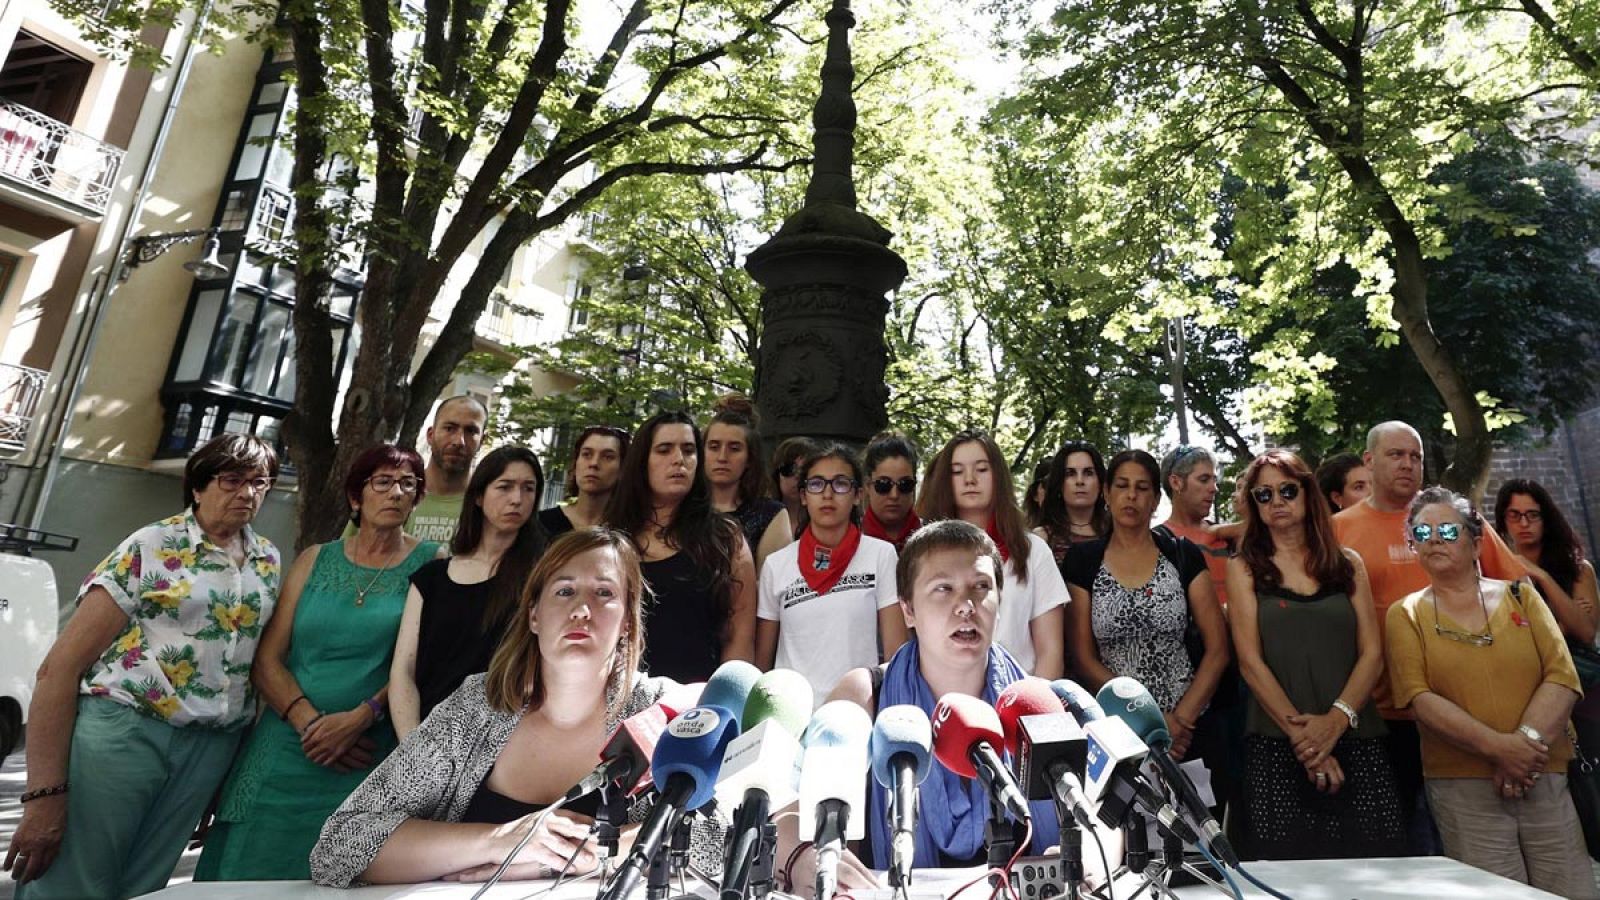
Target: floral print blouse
(194, 619)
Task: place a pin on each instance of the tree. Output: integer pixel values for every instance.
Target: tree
(451, 121)
(1331, 117)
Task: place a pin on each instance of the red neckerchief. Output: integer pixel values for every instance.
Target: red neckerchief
(823, 580)
(871, 527)
(1000, 542)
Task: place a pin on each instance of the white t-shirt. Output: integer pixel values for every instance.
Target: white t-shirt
(1022, 603)
(824, 637)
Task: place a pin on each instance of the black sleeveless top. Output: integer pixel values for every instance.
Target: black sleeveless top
(494, 808)
(452, 642)
(683, 622)
(754, 516)
(554, 521)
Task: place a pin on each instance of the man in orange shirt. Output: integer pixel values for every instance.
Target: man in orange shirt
(1375, 528)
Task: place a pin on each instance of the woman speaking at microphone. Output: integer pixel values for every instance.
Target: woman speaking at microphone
(948, 578)
(456, 797)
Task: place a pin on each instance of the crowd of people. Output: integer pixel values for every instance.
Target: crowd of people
(1365, 666)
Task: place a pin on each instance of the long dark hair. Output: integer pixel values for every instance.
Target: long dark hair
(1325, 560)
(738, 411)
(1559, 550)
(938, 499)
(1033, 510)
(1053, 515)
(710, 538)
(505, 585)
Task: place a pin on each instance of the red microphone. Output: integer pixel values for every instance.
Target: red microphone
(965, 732)
(625, 758)
(1031, 696)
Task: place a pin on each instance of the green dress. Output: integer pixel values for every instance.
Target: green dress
(275, 800)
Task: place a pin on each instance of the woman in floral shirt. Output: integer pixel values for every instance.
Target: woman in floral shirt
(140, 703)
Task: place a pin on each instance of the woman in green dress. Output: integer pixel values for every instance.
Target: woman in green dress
(323, 669)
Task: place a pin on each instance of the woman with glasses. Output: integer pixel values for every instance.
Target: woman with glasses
(458, 608)
(786, 459)
(733, 451)
(596, 461)
(1536, 531)
(891, 464)
(141, 701)
(1074, 507)
(1482, 664)
(969, 480)
(1318, 779)
(696, 562)
(827, 601)
(323, 671)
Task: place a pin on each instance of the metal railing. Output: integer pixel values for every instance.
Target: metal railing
(20, 390)
(47, 155)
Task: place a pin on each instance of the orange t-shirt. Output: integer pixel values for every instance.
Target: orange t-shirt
(1216, 552)
(1394, 572)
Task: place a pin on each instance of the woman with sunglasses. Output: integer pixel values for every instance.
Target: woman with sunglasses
(733, 451)
(969, 480)
(1074, 509)
(786, 461)
(891, 463)
(828, 601)
(1318, 779)
(1483, 665)
(323, 670)
(596, 460)
(696, 562)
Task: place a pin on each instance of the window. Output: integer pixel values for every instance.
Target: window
(577, 303)
(43, 77)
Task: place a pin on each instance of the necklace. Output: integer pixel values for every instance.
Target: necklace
(361, 595)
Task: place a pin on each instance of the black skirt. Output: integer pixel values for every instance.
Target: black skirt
(1291, 819)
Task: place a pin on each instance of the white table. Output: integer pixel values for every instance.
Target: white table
(1425, 878)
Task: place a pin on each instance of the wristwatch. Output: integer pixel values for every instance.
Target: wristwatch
(1532, 734)
(1349, 712)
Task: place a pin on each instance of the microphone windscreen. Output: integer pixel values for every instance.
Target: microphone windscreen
(693, 745)
(901, 729)
(634, 742)
(782, 696)
(1128, 700)
(1077, 700)
(959, 721)
(833, 765)
(729, 686)
(1030, 696)
(680, 697)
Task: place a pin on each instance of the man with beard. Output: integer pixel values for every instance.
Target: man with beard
(453, 441)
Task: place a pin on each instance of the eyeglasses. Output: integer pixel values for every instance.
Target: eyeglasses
(787, 470)
(383, 484)
(884, 485)
(1288, 491)
(841, 484)
(1483, 638)
(1449, 532)
(1531, 516)
(233, 481)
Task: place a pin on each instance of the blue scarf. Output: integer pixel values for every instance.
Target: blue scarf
(953, 810)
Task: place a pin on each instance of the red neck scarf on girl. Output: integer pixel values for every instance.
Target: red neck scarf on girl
(994, 534)
(823, 580)
(871, 527)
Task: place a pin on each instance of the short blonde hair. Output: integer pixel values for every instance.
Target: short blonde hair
(515, 679)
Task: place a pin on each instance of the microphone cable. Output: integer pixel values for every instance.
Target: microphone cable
(1233, 886)
(1260, 884)
(506, 863)
(1105, 862)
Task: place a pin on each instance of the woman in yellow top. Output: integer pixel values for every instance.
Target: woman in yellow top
(1483, 665)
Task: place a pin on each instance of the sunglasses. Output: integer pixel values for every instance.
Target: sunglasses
(1288, 491)
(884, 485)
(841, 484)
(1449, 532)
(787, 470)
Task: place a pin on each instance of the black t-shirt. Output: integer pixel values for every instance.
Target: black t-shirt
(683, 622)
(452, 641)
(554, 521)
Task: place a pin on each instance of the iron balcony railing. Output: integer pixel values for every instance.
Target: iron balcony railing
(20, 390)
(44, 154)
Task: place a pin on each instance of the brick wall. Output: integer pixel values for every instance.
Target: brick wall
(1568, 465)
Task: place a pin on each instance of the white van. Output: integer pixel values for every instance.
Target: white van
(29, 614)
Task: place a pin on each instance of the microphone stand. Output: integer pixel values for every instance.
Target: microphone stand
(761, 872)
(671, 859)
(612, 813)
(998, 837)
(1071, 851)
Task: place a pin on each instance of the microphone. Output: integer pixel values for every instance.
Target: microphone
(1112, 758)
(729, 686)
(625, 759)
(685, 763)
(900, 748)
(758, 769)
(1047, 747)
(1081, 704)
(833, 781)
(1128, 700)
(965, 732)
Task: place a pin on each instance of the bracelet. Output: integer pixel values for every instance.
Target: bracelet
(290, 707)
(376, 707)
(43, 792)
(314, 720)
(787, 872)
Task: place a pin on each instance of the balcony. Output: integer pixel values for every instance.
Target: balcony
(59, 169)
(20, 390)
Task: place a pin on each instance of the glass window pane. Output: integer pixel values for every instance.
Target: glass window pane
(198, 339)
(286, 374)
(253, 153)
(234, 340)
(271, 93)
(265, 350)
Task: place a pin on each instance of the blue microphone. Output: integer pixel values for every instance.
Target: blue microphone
(901, 750)
(685, 766)
(729, 687)
(1077, 701)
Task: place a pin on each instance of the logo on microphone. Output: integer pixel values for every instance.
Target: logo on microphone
(696, 722)
(941, 715)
